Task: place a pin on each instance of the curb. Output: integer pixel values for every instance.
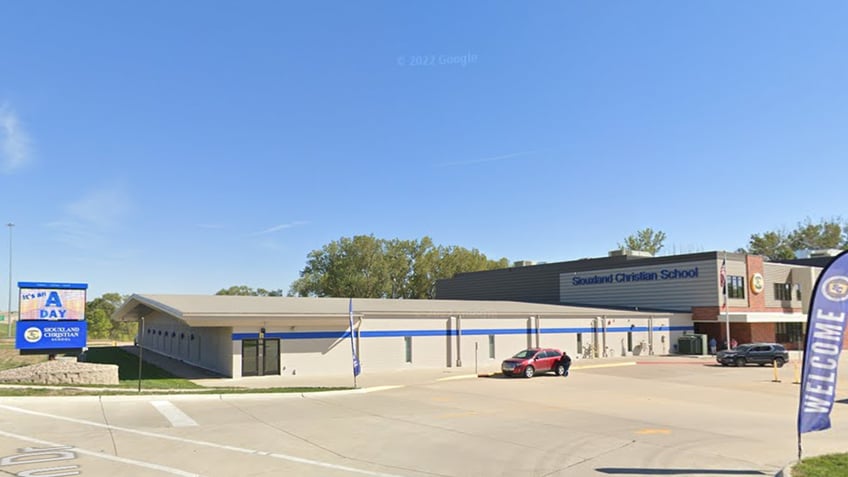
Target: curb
(786, 471)
(200, 397)
(488, 375)
(461, 376)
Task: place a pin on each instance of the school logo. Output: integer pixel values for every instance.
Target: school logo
(32, 335)
(836, 288)
(757, 283)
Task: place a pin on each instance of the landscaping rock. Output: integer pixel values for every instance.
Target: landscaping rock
(62, 372)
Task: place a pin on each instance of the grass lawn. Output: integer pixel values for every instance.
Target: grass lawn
(831, 465)
(153, 379)
(11, 358)
(151, 376)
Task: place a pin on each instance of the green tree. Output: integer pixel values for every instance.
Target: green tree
(354, 267)
(782, 245)
(772, 245)
(444, 262)
(99, 324)
(400, 258)
(645, 240)
(825, 234)
(98, 313)
(367, 267)
(243, 290)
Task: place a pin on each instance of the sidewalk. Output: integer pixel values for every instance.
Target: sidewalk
(401, 377)
(412, 376)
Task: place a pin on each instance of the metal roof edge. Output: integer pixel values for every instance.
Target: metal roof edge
(136, 299)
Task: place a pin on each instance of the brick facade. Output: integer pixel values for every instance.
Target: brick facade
(756, 302)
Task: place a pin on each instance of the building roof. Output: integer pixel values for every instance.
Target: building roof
(541, 283)
(223, 310)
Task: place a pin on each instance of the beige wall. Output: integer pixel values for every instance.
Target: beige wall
(435, 345)
(303, 357)
(737, 269)
(805, 277)
(389, 353)
(173, 338)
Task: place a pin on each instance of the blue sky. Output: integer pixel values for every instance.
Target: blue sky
(184, 147)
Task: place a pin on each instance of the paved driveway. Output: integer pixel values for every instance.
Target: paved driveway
(663, 417)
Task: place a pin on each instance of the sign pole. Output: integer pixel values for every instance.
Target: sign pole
(9, 308)
(726, 305)
(140, 349)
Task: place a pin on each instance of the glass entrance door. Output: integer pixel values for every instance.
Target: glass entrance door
(272, 357)
(260, 357)
(249, 363)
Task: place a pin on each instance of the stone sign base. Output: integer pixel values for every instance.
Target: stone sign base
(62, 372)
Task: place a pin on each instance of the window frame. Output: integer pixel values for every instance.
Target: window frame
(783, 291)
(736, 287)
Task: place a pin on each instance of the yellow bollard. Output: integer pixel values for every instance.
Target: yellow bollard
(797, 373)
(774, 366)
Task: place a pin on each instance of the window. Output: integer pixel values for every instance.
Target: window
(798, 291)
(491, 346)
(629, 341)
(579, 342)
(789, 332)
(783, 291)
(735, 286)
(407, 342)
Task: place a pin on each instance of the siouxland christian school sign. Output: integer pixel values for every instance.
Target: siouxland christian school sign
(640, 276)
(52, 316)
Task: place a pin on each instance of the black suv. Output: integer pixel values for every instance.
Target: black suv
(756, 353)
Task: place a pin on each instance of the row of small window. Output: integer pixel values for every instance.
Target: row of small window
(172, 333)
(407, 345)
(783, 291)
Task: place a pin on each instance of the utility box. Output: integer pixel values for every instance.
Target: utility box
(693, 344)
(686, 344)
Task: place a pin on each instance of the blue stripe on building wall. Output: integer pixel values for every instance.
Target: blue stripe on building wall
(313, 335)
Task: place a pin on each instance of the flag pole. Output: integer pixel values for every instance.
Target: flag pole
(726, 306)
(356, 365)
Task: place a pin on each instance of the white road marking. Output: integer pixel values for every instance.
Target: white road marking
(241, 450)
(161, 468)
(173, 414)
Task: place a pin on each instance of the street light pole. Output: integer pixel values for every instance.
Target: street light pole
(9, 303)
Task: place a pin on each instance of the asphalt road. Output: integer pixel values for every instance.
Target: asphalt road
(672, 418)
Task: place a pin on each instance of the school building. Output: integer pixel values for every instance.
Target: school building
(766, 301)
(239, 336)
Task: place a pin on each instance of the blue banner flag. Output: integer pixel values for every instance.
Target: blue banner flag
(356, 367)
(825, 336)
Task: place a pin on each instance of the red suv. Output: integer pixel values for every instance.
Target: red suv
(531, 361)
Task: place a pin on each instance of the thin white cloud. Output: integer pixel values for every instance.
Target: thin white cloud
(88, 221)
(14, 141)
(487, 159)
(279, 227)
(102, 207)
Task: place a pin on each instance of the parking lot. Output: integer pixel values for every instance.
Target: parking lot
(663, 416)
